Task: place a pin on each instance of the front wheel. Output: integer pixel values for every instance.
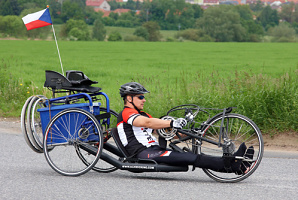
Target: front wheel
(102, 166)
(237, 129)
(69, 131)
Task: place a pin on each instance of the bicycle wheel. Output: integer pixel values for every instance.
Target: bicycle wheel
(25, 126)
(69, 130)
(33, 119)
(238, 129)
(102, 166)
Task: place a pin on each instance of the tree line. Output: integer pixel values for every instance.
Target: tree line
(222, 23)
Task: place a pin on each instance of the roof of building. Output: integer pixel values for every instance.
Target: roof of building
(94, 2)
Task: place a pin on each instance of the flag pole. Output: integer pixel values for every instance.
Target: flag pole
(57, 46)
(58, 49)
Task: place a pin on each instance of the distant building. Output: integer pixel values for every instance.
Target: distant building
(121, 10)
(229, 2)
(99, 4)
(210, 2)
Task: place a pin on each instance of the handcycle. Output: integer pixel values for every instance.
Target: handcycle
(77, 137)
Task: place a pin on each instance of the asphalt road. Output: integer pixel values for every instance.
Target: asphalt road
(25, 174)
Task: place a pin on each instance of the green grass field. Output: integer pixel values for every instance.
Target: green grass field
(209, 74)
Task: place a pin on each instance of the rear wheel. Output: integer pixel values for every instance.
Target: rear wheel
(33, 119)
(238, 129)
(69, 131)
(25, 126)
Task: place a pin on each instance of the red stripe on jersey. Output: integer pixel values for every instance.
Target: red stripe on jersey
(120, 123)
(151, 141)
(127, 113)
(164, 154)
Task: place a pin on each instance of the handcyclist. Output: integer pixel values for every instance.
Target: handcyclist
(135, 129)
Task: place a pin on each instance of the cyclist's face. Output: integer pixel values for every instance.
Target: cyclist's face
(139, 101)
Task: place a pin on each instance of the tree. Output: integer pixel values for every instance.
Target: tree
(114, 16)
(254, 31)
(244, 12)
(71, 11)
(198, 11)
(153, 30)
(130, 4)
(99, 32)
(55, 9)
(186, 19)
(256, 7)
(169, 13)
(268, 17)
(114, 5)
(222, 23)
(289, 12)
(9, 7)
(91, 15)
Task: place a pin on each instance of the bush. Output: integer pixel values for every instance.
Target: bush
(170, 39)
(206, 38)
(80, 30)
(108, 21)
(13, 90)
(115, 36)
(189, 34)
(194, 35)
(12, 26)
(57, 21)
(123, 23)
(77, 34)
(141, 32)
(254, 38)
(282, 33)
(134, 38)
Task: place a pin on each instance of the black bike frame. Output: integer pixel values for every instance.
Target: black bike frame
(141, 166)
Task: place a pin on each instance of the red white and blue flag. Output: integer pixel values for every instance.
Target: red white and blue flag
(38, 19)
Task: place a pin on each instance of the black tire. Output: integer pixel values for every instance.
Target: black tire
(70, 130)
(26, 127)
(238, 129)
(102, 166)
(33, 119)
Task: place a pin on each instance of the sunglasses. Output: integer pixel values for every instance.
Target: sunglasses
(141, 97)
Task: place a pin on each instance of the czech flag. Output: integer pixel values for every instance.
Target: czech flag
(38, 19)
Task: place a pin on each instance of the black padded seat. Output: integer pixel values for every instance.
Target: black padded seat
(55, 80)
(118, 142)
(78, 78)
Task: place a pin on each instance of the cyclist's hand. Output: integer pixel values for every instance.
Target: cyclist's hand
(178, 123)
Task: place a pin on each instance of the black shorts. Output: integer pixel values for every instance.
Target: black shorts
(167, 156)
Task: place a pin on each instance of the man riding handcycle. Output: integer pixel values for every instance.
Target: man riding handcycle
(135, 129)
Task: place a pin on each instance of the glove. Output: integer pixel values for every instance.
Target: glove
(178, 123)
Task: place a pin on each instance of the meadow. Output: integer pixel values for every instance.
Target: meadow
(260, 79)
